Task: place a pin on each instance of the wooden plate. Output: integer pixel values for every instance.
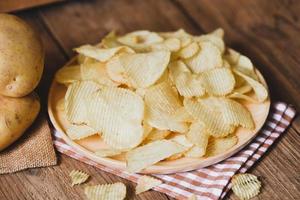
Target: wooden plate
(86, 146)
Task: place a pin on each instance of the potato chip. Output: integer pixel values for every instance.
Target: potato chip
(75, 108)
(182, 115)
(161, 103)
(194, 152)
(145, 183)
(186, 83)
(116, 71)
(108, 152)
(219, 81)
(115, 191)
(143, 69)
(77, 132)
(102, 54)
(170, 44)
(68, 74)
(147, 130)
(78, 177)
(182, 140)
(243, 89)
(156, 134)
(245, 186)
(140, 40)
(151, 153)
(198, 135)
(188, 51)
(236, 95)
(220, 145)
(209, 57)
(119, 121)
(96, 72)
(210, 116)
(215, 38)
(110, 40)
(180, 33)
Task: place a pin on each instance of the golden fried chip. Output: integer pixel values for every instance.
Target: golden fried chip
(102, 54)
(151, 153)
(145, 183)
(68, 74)
(110, 40)
(186, 83)
(78, 177)
(209, 57)
(115, 191)
(189, 51)
(116, 71)
(77, 132)
(140, 40)
(219, 81)
(161, 103)
(170, 44)
(243, 89)
(156, 134)
(245, 186)
(96, 72)
(211, 116)
(220, 145)
(198, 135)
(117, 113)
(215, 38)
(75, 108)
(182, 140)
(236, 95)
(259, 89)
(108, 152)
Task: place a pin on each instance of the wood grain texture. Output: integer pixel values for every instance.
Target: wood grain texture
(266, 31)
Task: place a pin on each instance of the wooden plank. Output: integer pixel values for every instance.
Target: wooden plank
(14, 5)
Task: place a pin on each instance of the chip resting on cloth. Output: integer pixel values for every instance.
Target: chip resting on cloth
(145, 183)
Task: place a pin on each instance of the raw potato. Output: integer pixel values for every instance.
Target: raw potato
(17, 114)
(21, 57)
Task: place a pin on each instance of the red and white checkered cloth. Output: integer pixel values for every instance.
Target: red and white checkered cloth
(213, 182)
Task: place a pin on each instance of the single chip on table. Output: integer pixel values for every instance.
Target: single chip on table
(145, 183)
(259, 89)
(209, 57)
(151, 153)
(141, 70)
(161, 103)
(102, 54)
(245, 186)
(75, 108)
(187, 84)
(78, 177)
(77, 132)
(68, 74)
(218, 81)
(96, 72)
(117, 113)
(198, 135)
(115, 191)
(220, 145)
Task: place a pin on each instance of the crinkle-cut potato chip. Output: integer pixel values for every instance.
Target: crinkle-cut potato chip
(208, 57)
(68, 74)
(108, 152)
(77, 132)
(151, 153)
(187, 84)
(116, 71)
(170, 44)
(144, 69)
(96, 72)
(194, 152)
(218, 81)
(240, 96)
(182, 140)
(220, 145)
(243, 89)
(245, 186)
(215, 37)
(180, 33)
(156, 134)
(145, 183)
(75, 108)
(78, 177)
(117, 113)
(161, 103)
(115, 191)
(259, 89)
(189, 51)
(110, 40)
(102, 54)
(210, 116)
(140, 40)
(182, 115)
(198, 135)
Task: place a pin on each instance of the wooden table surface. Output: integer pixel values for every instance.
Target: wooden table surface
(268, 31)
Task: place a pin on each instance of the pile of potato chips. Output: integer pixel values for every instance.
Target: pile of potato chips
(160, 96)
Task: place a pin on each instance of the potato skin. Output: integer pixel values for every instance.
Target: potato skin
(16, 115)
(21, 57)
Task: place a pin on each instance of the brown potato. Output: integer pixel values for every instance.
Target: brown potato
(16, 115)
(21, 57)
